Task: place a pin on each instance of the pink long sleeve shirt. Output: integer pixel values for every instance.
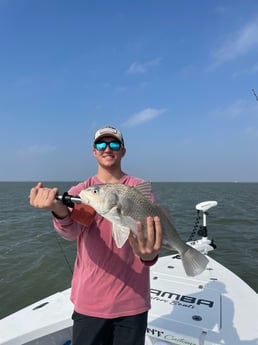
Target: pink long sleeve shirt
(108, 282)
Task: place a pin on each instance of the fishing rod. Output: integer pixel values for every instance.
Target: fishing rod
(80, 212)
(68, 199)
(83, 214)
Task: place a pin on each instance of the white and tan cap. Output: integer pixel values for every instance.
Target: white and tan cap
(108, 131)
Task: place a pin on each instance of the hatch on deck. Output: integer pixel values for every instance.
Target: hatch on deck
(186, 308)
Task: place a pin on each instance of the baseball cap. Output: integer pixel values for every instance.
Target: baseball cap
(109, 131)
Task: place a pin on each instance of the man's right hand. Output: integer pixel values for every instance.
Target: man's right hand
(44, 198)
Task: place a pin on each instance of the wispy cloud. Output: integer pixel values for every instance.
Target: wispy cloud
(136, 67)
(247, 71)
(238, 108)
(238, 44)
(143, 116)
(36, 150)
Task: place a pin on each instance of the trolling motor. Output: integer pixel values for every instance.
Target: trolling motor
(83, 214)
(204, 245)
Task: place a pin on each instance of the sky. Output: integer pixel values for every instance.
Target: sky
(175, 76)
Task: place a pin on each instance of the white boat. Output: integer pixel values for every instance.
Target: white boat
(213, 308)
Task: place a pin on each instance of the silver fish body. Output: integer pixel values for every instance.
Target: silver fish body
(124, 205)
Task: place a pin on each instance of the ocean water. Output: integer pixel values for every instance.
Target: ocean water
(35, 262)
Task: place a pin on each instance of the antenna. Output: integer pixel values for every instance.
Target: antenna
(255, 94)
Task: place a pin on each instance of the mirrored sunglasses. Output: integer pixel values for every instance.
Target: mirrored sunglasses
(113, 145)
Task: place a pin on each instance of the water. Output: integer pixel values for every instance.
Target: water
(33, 257)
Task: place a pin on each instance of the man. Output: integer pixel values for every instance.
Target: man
(110, 285)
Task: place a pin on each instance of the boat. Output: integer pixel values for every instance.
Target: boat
(214, 308)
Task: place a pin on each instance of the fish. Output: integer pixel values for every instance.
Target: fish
(124, 205)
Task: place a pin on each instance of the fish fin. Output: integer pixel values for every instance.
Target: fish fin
(122, 220)
(194, 262)
(130, 223)
(145, 188)
(120, 234)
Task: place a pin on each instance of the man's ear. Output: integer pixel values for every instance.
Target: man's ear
(124, 151)
(94, 152)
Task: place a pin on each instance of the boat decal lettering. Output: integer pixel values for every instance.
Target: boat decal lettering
(162, 334)
(177, 299)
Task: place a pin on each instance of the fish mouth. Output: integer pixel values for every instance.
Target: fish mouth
(85, 199)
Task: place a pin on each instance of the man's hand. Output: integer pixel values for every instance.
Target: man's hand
(147, 248)
(44, 198)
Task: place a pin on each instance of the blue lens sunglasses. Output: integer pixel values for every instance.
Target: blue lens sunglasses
(113, 145)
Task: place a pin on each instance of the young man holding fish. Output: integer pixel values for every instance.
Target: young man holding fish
(110, 284)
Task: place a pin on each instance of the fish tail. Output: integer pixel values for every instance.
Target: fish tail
(194, 262)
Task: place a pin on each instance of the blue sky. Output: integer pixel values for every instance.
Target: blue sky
(175, 76)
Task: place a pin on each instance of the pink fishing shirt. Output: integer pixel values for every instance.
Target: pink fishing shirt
(108, 282)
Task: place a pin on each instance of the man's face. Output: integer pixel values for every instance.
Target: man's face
(109, 152)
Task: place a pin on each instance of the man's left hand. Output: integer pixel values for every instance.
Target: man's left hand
(147, 248)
